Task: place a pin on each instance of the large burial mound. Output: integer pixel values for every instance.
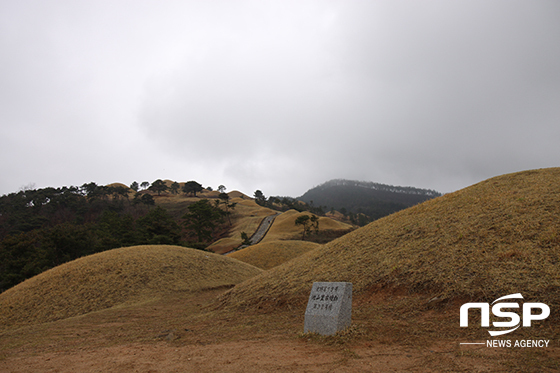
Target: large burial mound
(285, 228)
(115, 277)
(271, 254)
(497, 237)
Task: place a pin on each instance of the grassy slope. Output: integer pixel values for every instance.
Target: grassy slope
(246, 217)
(271, 254)
(488, 235)
(177, 204)
(115, 277)
(494, 238)
(284, 227)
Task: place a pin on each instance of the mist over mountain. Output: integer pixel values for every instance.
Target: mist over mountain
(362, 197)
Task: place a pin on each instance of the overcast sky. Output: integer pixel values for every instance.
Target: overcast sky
(277, 95)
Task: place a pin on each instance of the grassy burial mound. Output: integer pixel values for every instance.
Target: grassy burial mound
(271, 254)
(118, 276)
(285, 228)
(238, 194)
(497, 237)
(118, 185)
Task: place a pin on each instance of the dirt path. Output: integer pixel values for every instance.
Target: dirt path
(269, 355)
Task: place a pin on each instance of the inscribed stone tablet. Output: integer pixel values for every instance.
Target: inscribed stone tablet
(329, 308)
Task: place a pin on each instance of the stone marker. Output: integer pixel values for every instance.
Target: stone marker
(329, 308)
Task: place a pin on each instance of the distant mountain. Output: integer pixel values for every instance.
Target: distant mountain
(372, 199)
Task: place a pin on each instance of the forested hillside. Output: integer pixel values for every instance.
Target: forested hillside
(373, 200)
(43, 228)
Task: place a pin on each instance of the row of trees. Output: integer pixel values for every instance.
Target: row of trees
(159, 186)
(381, 187)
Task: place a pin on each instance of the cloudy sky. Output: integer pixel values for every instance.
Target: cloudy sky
(277, 95)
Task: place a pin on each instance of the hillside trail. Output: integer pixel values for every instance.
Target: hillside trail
(263, 229)
(259, 234)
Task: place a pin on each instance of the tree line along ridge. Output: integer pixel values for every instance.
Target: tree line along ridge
(43, 228)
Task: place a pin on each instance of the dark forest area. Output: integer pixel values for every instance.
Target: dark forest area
(363, 202)
(41, 229)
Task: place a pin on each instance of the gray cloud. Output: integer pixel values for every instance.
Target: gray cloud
(277, 96)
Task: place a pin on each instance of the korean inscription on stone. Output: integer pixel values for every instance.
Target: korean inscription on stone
(329, 308)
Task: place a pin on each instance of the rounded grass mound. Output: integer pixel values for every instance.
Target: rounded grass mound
(285, 228)
(271, 254)
(115, 277)
(497, 237)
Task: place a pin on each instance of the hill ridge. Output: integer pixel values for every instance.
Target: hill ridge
(493, 238)
(364, 201)
(379, 186)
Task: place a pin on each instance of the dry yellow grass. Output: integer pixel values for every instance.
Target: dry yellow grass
(246, 217)
(115, 185)
(271, 254)
(238, 194)
(497, 237)
(285, 228)
(336, 215)
(115, 277)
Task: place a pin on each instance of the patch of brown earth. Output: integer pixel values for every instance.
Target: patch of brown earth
(184, 334)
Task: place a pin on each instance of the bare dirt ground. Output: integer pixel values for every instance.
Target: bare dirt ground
(182, 334)
(244, 356)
